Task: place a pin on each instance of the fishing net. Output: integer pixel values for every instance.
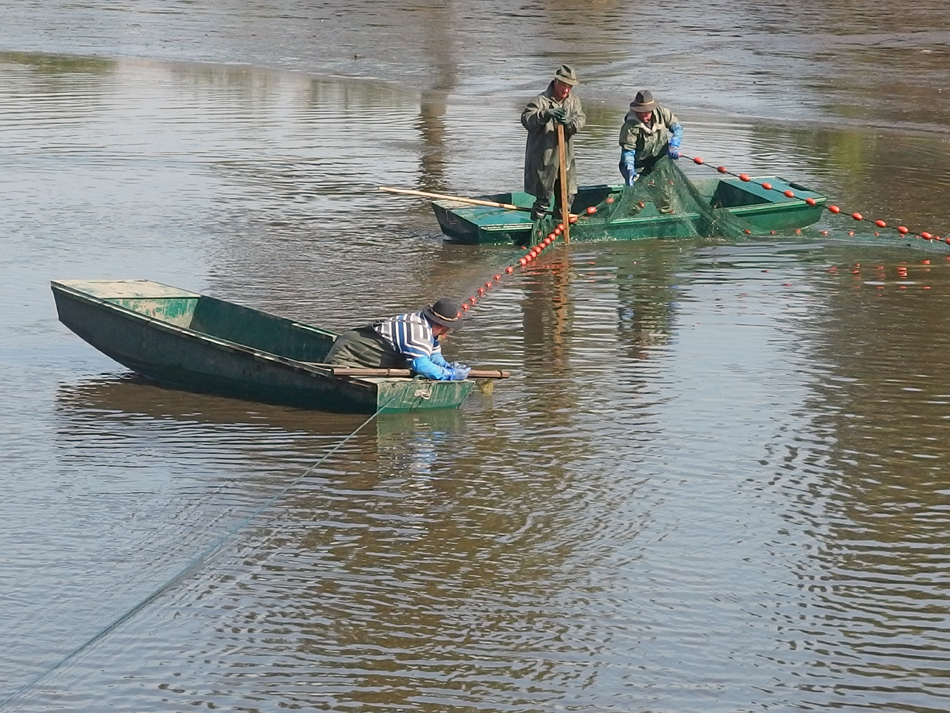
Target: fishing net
(663, 203)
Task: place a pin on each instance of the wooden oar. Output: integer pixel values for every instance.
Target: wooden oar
(360, 371)
(473, 201)
(562, 169)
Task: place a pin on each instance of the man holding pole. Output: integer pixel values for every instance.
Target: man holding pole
(553, 113)
(406, 341)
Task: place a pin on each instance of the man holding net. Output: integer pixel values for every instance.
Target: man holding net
(649, 133)
(542, 115)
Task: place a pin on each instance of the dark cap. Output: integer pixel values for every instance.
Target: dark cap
(643, 102)
(445, 312)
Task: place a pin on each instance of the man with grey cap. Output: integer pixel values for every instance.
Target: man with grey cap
(649, 133)
(555, 106)
(406, 341)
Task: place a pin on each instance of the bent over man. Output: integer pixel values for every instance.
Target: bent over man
(405, 341)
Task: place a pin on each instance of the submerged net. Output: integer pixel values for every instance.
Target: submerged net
(662, 203)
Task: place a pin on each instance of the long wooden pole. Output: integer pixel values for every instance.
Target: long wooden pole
(473, 201)
(562, 170)
(360, 371)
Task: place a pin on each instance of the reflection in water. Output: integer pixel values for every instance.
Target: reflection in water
(718, 467)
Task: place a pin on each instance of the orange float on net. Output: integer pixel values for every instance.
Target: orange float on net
(880, 223)
(747, 231)
(902, 230)
(481, 291)
(834, 209)
(857, 216)
(767, 186)
(926, 236)
(497, 277)
(810, 201)
(509, 269)
(471, 300)
(609, 199)
(789, 194)
(465, 308)
(722, 169)
(572, 219)
(591, 210)
(523, 262)
(698, 161)
(744, 177)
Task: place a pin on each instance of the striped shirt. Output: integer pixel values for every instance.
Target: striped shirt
(410, 334)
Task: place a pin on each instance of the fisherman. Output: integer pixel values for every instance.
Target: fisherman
(555, 106)
(649, 133)
(406, 341)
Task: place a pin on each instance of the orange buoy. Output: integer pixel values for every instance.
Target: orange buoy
(834, 209)
(698, 161)
(767, 186)
(743, 177)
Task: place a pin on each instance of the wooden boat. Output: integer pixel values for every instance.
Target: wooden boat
(199, 343)
(763, 210)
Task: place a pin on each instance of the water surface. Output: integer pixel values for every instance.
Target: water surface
(715, 481)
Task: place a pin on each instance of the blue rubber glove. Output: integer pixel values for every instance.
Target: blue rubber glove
(457, 373)
(628, 160)
(676, 138)
(429, 369)
(438, 359)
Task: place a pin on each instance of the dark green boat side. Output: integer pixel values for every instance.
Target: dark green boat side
(198, 343)
(763, 210)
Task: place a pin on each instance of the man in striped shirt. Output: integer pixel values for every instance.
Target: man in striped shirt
(404, 341)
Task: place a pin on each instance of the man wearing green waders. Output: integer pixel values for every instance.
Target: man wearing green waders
(555, 106)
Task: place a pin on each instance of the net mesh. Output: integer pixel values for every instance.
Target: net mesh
(662, 203)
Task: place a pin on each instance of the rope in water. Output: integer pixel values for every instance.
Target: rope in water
(188, 569)
(834, 209)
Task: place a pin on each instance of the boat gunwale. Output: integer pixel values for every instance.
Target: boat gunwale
(193, 334)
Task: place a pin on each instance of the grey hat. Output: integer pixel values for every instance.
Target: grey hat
(644, 101)
(567, 75)
(444, 311)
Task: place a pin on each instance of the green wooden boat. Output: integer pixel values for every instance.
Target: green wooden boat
(199, 343)
(763, 210)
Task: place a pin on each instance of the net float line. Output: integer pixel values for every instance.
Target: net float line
(532, 254)
(831, 208)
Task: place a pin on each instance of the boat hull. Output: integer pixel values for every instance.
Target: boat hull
(764, 211)
(184, 339)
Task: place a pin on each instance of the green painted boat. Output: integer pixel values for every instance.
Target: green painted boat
(762, 209)
(198, 343)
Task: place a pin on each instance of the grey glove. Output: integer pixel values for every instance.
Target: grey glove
(558, 114)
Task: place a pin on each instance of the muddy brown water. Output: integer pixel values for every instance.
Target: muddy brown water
(716, 481)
